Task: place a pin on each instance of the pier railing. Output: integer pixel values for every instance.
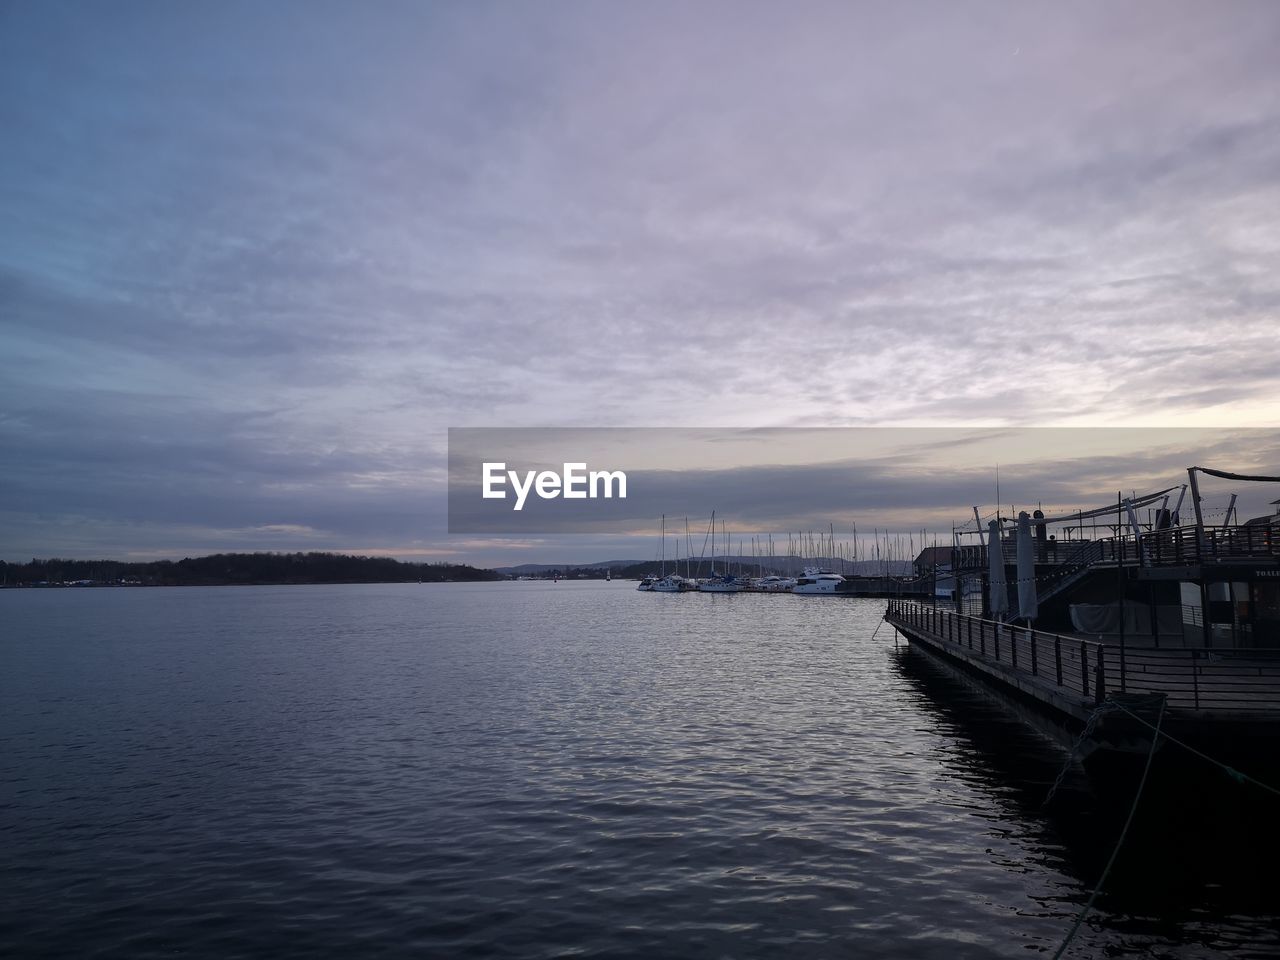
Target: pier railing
(1231, 681)
(1069, 663)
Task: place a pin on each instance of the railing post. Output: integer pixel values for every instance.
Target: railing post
(1057, 656)
(1084, 668)
(1035, 668)
(1100, 693)
(982, 636)
(969, 629)
(995, 639)
(1195, 677)
(1013, 645)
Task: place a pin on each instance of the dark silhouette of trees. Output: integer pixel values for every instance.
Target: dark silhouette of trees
(239, 568)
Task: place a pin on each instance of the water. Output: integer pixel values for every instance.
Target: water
(537, 770)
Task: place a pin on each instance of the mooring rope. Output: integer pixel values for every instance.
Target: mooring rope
(1155, 739)
(1233, 773)
(1075, 747)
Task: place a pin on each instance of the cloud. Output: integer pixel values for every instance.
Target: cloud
(266, 256)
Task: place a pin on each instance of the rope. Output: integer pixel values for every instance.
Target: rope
(1119, 843)
(1071, 754)
(1233, 773)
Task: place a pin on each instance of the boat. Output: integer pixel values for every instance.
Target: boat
(672, 583)
(719, 582)
(775, 584)
(725, 583)
(666, 582)
(818, 581)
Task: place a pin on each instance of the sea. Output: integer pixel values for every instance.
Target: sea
(574, 769)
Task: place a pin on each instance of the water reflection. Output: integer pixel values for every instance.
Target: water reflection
(1196, 869)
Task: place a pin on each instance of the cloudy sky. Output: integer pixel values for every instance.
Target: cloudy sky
(255, 259)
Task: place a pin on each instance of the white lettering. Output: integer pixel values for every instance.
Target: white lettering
(573, 474)
(521, 491)
(609, 477)
(575, 483)
(494, 473)
(548, 485)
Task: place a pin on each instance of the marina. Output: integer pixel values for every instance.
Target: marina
(1095, 641)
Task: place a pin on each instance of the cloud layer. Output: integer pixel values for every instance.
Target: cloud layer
(254, 260)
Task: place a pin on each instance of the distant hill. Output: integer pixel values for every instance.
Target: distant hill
(237, 568)
(747, 564)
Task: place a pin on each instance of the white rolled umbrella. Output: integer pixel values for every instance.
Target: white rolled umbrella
(1028, 602)
(995, 556)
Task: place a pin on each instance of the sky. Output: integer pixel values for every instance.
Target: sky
(256, 259)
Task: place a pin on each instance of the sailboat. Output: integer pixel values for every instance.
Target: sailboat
(670, 582)
(722, 583)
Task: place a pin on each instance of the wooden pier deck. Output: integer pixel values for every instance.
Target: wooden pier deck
(1208, 694)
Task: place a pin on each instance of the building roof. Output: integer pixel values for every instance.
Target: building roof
(933, 556)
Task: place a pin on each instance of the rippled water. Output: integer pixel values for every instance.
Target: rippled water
(534, 770)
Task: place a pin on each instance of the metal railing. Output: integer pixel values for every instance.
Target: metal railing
(1069, 663)
(1175, 546)
(1221, 680)
(1186, 546)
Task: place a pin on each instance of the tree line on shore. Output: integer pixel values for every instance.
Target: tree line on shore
(239, 568)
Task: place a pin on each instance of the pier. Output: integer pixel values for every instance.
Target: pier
(1226, 700)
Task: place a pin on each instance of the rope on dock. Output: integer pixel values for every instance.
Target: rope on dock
(1075, 747)
(1155, 739)
(1234, 774)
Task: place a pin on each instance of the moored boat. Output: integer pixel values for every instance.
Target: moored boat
(672, 583)
(817, 581)
(774, 584)
(726, 583)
